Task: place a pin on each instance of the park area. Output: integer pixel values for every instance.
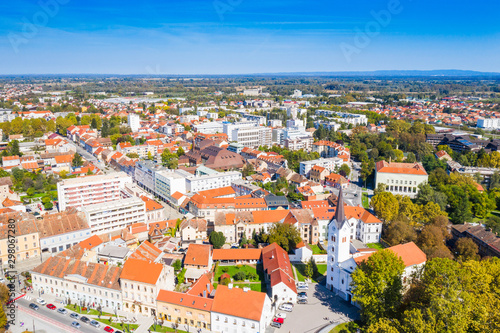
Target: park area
(251, 276)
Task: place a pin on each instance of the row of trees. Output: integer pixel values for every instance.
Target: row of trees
(445, 296)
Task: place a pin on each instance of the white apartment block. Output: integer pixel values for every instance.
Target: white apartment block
(327, 163)
(90, 190)
(209, 127)
(115, 215)
(489, 123)
(304, 143)
(343, 117)
(229, 128)
(210, 182)
(253, 136)
(134, 122)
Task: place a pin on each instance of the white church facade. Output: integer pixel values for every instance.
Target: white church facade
(343, 258)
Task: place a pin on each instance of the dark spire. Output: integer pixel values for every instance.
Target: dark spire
(339, 212)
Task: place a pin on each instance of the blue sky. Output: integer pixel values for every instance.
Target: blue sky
(246, 36)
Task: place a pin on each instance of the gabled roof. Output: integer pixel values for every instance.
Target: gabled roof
(401, 168)
(249, 303)
(409, 252)
(141, 271)
(185, 299)
(91, 242)
(198, 255)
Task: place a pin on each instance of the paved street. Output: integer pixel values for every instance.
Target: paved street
(310, 317)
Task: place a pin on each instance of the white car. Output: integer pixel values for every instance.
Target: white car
(281, 315)
(288, 307)
(41, 301)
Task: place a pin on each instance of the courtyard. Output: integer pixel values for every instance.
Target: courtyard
(250, 276)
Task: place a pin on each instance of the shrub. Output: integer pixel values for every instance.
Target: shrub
(240, 276)
(224, 269)
(225, 281)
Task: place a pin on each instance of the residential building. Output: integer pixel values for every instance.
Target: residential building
(134, 122)
(318, 173)
(328, 163)
(400, 178)
(199, 256)
(82, 191)
(487, 242)
(154, 211)
(208, 182)
(185, 309)
(193, 230)
(488, 123)
(141, 281)
(167, 182)
(115, 215)
(27, 239)
(279, 275)
(145, 174)
(77, 281)
(60, 231)
(251, 315)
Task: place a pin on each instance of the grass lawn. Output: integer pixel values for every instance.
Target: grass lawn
(165, 329)
(376, 246)
(253, 286)
(365, 201)
(317, 278)
(300, 277)
(232, 270)
(322, 268)
(316, 249)
(76, 309)
(118, 326)
(350, 326)
(495, 213)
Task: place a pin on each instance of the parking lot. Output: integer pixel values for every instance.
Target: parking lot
(310, 317)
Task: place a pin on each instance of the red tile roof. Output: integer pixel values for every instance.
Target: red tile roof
(249, 303)
(198, 255)
(237, 254)
(403, 168)
(141, 271)
(409, 252)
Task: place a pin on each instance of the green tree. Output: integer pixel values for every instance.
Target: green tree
(30, 192)
(386, 206)
(177, 265)
(285, 235)
(14, 148)
(180, 152)
(217, 239)
(93, 123)
(344, 170)
(377, 285)
(466, 249)
(105, 128)
(77, 160)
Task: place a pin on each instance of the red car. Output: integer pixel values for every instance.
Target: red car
(279, 320)
(108, 329)
(51, 306)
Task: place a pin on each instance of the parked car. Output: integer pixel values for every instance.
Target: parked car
(75, 324)
(41, 301)
(34, 306)
(281, 315)
(275, 324)
(51, 306)
(302, 301)
(288, 307)
(278, 320)
(302, 295)
(109, 329)
(74, 315)
(85, 319)
(302, 286)
(62, 311)
(95, 323)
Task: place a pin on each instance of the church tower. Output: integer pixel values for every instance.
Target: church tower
(339, 236)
